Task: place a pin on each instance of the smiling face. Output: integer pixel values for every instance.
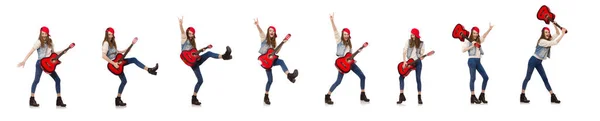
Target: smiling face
(474, 34)
(271, 32)
(190, 34)
(110, 34)
(546, 34)
(345, 36)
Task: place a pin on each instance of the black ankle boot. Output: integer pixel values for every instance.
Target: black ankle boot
(474, 100)
(292, 76)
(402, 99)
(482, 98)
(267, 101)
(119, 102)
(363, 97)
(420, 101)
(553, 99)
(32, 102)
(523, 98)
(195, 101)
(227, 54)
(153, 70)
(59, 102)
(328, 99)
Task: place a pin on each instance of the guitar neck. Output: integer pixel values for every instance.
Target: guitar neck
(127, 51)
(278, 48)
(61, 53)
(356, 53)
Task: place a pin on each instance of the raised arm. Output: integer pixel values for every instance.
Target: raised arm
(335, 31)
(260, 31)
(486, 33)
(553, 42)
(556, 29)
(183, 35)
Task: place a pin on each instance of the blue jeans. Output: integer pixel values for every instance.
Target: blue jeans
(418, 76)
(358, 73)
(196, 68)
(38, 74)
(278, 62)
(122, 75)
(537, 64)
(475, 65)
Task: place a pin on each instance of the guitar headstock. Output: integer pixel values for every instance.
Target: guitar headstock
(209, 46)
(287, 36)
(430, 53)
(72, 45)
(365, 44)
(134, 40)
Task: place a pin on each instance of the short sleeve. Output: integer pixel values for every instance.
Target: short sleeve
(37, 44)
(104, 47)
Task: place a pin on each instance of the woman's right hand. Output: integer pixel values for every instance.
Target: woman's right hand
(256, 21)
(115, 64)
(564, 30)
(405, 63)
(331, 16)
(21, 64)
(180, 20)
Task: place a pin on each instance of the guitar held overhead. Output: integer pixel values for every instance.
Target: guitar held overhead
(344, 64)
(544, 14)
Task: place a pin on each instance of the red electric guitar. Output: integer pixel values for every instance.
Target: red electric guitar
(268, 59)
(49, 64)
(189, 57)
(344, 64)
(545, 15)
(411, 65)
(120, 59)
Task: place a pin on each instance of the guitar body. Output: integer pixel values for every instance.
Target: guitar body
(404, 71)
(47, 65)
(117, 71)
(188, 57)
(266, 61)
(342, 63)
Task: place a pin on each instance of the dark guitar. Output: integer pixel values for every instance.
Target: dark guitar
(545, 15)
(344, 64)
(120, 59)
(189, 57)
(411, 65)
(49, 64)
(268, 59)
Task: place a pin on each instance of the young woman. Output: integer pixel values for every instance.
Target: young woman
(109, 53)
(44, 48)
(267, 42)
(542, 52)
(344, 45)
(472, 46)
(188, 42)
(413, 49)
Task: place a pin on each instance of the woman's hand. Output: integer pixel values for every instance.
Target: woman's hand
(564, 30)
(331, 16)
(21, 64)
(180, 20)
(256, 21)
(491, 26)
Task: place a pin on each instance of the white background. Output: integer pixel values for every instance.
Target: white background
(233, 90)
